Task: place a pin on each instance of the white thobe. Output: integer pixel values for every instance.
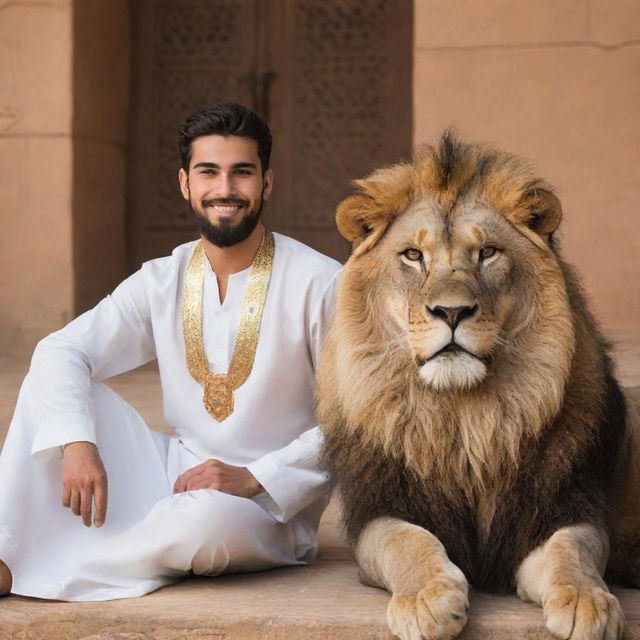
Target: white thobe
(151, 537)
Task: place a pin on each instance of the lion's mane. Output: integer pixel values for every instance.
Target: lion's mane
(490, 469)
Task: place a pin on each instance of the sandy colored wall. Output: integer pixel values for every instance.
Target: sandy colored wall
(36, 278)
(64, 88)
(557, 81)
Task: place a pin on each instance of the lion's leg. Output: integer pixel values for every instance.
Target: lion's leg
(429, 593)
(564, 575)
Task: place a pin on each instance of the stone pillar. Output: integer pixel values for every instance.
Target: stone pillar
(101, 52)
(64, 88)
(36, 168)
(557, 81)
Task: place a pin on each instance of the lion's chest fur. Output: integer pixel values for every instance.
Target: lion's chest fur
(487, 526)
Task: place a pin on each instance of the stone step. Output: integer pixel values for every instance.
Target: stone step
(318, 602)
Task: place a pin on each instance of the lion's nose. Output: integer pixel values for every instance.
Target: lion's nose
(453, 316)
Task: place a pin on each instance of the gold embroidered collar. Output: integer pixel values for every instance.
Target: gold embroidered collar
(219, 387)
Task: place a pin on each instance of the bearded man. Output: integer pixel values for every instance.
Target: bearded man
(235, 321)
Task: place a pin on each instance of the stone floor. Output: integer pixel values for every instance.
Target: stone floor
(321, 601)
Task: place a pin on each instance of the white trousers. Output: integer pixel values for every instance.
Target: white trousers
(151, 538)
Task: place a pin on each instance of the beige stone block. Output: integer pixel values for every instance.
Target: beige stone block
(574, 112)
(324, 601)
(35, 68)
(472, 23)
(35, 244)
(101, 68)
(98, 220)
(613, 22)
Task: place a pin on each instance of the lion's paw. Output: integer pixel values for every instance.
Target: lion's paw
(437, 612)
(590, 613)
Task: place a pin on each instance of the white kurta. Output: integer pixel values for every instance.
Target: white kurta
(151, 537)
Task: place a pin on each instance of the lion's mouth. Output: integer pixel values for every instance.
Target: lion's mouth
(452, 347)
(453, 367)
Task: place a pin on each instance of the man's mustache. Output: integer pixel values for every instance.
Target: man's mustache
(225, 202)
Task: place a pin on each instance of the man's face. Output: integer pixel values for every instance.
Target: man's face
(225, 187)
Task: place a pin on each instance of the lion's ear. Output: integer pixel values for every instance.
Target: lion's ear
(545, 212)
(360, 222)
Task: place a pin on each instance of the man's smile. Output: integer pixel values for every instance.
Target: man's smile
(224, 208)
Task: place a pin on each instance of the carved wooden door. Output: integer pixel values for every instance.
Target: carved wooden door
(332, 78)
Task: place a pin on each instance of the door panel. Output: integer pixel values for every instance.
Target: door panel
(342, 106)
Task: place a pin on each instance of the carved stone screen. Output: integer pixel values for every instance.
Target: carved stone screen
(332, 77)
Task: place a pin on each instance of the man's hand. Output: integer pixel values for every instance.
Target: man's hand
(213, 474)
(83, 478)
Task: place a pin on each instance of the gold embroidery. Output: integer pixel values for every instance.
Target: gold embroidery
(219, 387)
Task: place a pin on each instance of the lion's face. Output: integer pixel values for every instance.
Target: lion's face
(455, 260)
(455, 285)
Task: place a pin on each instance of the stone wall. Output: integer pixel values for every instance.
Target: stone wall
(63, 117)
(557, 81)
(36, 163)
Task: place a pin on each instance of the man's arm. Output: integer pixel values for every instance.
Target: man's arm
(83, 480)
(113, 337)
(215, 474)
(291, 477)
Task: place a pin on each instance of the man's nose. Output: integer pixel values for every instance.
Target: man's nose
(224, 186)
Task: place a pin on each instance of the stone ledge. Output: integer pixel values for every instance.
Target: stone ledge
(321, 601)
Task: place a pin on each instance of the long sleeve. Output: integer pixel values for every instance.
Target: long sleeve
(113, 337)
(291, 476)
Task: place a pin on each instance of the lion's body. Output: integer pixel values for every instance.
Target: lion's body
(494, 445)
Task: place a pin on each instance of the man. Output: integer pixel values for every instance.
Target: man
(235, 321)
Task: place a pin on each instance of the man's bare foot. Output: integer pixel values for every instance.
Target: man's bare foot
(6, 579)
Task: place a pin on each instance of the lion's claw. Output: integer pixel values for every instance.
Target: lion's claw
(590, 613)
(437, 612)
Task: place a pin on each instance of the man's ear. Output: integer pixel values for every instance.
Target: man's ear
(361, 223)
(183, 179)
(267, 184)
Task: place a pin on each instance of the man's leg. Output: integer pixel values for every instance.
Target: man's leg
(205, 532)
(150, 538)
(40, 540)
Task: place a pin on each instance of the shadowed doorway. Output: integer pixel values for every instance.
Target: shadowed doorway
(332, 77)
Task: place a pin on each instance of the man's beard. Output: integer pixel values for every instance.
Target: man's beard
(225, 234)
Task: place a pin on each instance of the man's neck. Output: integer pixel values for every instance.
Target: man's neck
(227, 260)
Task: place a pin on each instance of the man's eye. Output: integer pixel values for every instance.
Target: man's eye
(412, 254)
(243, 172)
(487, 252)
(206, 172)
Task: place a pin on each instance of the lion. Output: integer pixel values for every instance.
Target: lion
(472, 422)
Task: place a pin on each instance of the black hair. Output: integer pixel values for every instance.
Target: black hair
(225, 119)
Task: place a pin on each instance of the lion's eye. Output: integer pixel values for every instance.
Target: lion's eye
(412, 254)
(487, 252)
